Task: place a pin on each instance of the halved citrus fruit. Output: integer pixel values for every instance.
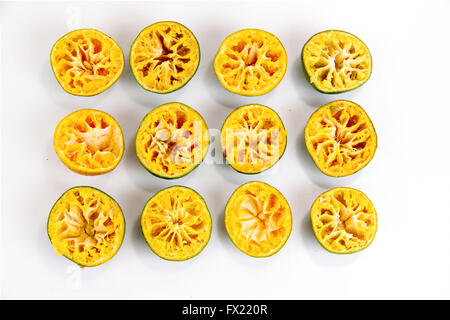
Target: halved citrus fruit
(250, 62)
(344, 220)
(86, 62)
(336, 61)
(164, 57)
(86, 226)
(253, 138)
(89, 142)
(176, 223)
(258, 219)
(172, 140)
(340, 138)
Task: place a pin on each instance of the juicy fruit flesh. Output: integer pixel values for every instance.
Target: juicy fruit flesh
(253, 138)
(176, 223)
(250, 62)
(344, 220)
(172, 140)
(336, 61)
(86, 226)
(89, 141)
(164, 56)
(340, 138)
(258, 219)
(86, 62)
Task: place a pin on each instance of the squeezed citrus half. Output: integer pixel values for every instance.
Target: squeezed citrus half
(176, 223)
(336, 61)
(172, 140)
(86, 226)
(258, 219)
(164, 56)
(86, 62)
(250, 62)
(253, 138)
(89, 142)
(340, 138)
(344, 220)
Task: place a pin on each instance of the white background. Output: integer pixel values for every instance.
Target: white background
(408, 180)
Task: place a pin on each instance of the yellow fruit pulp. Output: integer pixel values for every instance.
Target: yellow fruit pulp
(258, 219)
(176, 223)
(340, 138)
(250, 62)
(164, 56)
(86, 226)
(344, 220)
(253, 138)
(172, 140)
(336, 61)
(89, 142)
(86, 62)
